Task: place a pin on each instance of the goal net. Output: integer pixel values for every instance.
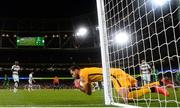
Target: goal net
(136, 30)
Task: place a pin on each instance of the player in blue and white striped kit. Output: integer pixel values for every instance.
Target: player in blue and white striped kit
(15, 74)
(146, 72)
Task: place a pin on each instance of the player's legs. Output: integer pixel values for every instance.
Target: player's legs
(157, 83)
(121, 82)
(30, 86)
(160, 83)
(148, 88)
(15, 86)
(148, 78)
(129, 94)
(137, 93)
(123, 85)
(122, 91)
(16, 81)
(56, 86)
(144, 79)
(126, 94)
(5, 84)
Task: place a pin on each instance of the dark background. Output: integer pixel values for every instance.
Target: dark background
(50, 19)
(46, 9)
(59, 20)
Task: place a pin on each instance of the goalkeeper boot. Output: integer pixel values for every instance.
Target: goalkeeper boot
(160, 90)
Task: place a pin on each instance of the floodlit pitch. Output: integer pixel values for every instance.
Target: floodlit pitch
(69, 97)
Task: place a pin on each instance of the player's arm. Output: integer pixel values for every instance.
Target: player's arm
(85, 87)
(19, 69)
(12, 68)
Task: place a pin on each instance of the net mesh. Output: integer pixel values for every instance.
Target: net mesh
(153, 31)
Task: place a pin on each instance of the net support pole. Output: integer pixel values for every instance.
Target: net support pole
(104, 52)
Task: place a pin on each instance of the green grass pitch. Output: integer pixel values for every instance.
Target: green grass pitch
(67, 98)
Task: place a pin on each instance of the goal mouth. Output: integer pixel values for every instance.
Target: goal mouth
(141, 37)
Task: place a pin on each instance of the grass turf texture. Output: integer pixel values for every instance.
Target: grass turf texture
(67, 98)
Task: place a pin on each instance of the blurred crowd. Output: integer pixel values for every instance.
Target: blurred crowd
(39, 84)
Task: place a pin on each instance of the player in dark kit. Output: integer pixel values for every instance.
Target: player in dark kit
(6, 82)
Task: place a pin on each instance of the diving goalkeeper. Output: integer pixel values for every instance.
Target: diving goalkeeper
(124, 84)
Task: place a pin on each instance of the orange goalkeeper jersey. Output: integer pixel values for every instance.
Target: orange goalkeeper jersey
(95, 74)
(55, 80)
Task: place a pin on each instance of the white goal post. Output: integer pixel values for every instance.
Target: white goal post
(132, 31)
(108, 96)
(104, 53)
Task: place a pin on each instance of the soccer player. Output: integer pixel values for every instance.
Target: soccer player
(56, 82)
(6, 82)
(178, 77)
(122, 82)
(31, 80)
(146, 72)
(154, 74)
(15, 70)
